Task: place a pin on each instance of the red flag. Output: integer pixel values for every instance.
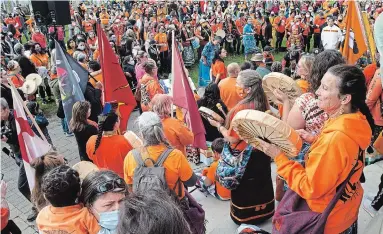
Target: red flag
(184, 98)
(31, 146)
(116, 87)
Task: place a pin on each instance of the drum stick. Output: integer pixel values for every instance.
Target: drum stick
(219, 106)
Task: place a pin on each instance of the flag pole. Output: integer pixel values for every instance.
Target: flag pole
(28, 113)
(173, 75)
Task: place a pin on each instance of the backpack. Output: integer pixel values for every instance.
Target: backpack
(232, 166)
(149, 178)
(142, 95)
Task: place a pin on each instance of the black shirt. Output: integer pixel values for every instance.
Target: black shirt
(82, 138)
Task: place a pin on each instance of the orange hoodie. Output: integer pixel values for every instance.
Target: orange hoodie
(330, 160)
(375, 97)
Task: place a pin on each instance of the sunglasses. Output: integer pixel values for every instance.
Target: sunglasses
(112, 185)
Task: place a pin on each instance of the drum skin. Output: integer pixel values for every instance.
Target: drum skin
(84, 168)
(287, 85)
(251, 125)
(207, 113)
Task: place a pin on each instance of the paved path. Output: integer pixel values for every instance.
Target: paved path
(217, 212)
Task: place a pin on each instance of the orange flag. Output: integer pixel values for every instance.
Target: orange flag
(354, 44)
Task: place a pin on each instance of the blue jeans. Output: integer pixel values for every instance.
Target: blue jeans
(64, 124)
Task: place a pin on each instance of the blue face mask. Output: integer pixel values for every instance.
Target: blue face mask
(108, 221)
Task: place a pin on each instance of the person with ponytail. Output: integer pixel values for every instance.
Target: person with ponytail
(82, 127)
(108, 149)
(256, 187)
(177, 169)
(42, 165)
(177, 133)
(335, 153)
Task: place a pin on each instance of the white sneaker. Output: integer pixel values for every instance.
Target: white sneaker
(368, 208)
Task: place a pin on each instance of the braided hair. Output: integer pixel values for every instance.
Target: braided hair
(353, 82)
(106, 122)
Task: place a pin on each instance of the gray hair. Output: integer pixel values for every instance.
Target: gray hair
(4, 104)
(18, 48)
(81, 57)
(150, 127)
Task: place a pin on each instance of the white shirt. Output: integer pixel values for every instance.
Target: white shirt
(330, 37)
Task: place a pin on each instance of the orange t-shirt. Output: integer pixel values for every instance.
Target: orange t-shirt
(88, 25)
(375, 97)
(240, 25)
(104, 18)
(228, 93)
(4, 217)
(162, 38)
(177, 166)
(40, 60)
(69, 219)
(70, 52)
(111, 152)
(219, 68)
(211, 173)
(378, 144)
(17, 80)
(10, 21)
(279, 25)
(153, 87)
(97, 76)
(318, 21)
(178, 135)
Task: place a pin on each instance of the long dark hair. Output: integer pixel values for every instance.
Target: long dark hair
(353, 82)
(106, 122)
(323, 61)
(217, 56)
(255, 98)
(211, 96)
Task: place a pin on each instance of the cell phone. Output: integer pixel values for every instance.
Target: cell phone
(2, 176)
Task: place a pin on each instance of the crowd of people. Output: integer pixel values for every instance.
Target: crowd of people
(338, 116)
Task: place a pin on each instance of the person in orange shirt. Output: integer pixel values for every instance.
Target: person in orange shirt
(228, 94)
(208, 180)
(61, 188)
(87, 24)
(108, 149)
(279, 25)
(335, 153)
(178, 172)
(257, 23)
(71, 46)
(104, 17)
(177, 133)
(148, 85)
(162, 39)
(218, 68)
(40, 38)
(373, 101)
(14, 72)
(92, 41)
(38, 56)
(10, 20)
(96, 72)
(240, 23)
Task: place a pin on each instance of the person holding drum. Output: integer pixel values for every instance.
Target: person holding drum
(176, 132)
(335, 153)
(248, 38)
(252, 201)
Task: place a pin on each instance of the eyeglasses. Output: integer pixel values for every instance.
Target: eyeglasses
(112, 185)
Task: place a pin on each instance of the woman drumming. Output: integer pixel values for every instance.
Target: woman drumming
(148, 84)
(177, 133)
(102, 192)
(40, 58)
(187, 37)
(247, 197)
(248, 38)
(211, 99)
(218, 69)
(108, 149)
(82, 127)
(336, 152)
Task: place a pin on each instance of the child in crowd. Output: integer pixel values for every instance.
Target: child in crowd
(61, 188)
(208, 181)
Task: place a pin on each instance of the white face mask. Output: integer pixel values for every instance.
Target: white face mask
(81, 47)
